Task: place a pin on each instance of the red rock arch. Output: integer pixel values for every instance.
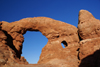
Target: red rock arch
(54, 30)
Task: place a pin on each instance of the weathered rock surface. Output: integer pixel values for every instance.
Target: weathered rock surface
(7, 53)
(90, 52)
(89, 31)
(89, 46)
(84, 53)
(57, 32)
(88, 26)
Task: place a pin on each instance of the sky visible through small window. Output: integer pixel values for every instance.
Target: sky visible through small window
(62, 45)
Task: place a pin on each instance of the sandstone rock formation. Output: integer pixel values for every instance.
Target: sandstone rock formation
(7, 53)
(57, 32)
(88, 26)
(90, 52)
(81, 44)
(89, 31)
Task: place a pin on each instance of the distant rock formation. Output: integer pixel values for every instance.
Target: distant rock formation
(79, 42)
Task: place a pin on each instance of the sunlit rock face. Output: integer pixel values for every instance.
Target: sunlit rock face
(88, 26)
(81, 44)
(57, 32)
(89, 31)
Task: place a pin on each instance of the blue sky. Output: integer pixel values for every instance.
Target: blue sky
(63, 10)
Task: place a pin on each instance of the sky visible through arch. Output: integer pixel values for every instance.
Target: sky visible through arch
(62, 10)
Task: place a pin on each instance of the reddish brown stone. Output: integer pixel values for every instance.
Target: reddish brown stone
(87, 54)
(89, 31)
(89, 46)
(23, 60)
(57, 32)
(8, 55)
(84, 53)
(88, 26)
(90, 52)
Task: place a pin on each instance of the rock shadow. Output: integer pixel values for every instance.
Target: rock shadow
(91, 60)
(9, 41)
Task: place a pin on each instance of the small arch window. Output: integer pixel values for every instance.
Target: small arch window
(64, 44)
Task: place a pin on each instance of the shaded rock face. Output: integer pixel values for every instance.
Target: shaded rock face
(8, 56)
(82, 44)
(90, 53)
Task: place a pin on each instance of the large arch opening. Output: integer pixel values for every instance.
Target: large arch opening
(33, 43)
